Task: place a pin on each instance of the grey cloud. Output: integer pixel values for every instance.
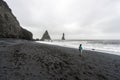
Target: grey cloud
(113, 26)
(74, 17)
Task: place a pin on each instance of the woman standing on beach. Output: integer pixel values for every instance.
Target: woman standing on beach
(80, 49)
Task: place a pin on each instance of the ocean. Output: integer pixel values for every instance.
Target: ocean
(107, 46)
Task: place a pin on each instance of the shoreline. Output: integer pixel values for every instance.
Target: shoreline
(37, 61)
(89, 49)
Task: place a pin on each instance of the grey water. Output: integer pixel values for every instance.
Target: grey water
(111, 46)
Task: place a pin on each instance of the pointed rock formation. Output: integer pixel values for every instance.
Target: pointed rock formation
(63, 37)
(46, 36)
(9, 26)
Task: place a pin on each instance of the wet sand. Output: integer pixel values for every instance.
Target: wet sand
(28, 60)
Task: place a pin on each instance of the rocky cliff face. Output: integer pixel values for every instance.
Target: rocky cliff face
(9, 26)
(46, 36)
(63, 37)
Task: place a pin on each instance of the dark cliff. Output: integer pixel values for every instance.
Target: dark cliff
(46, 36)
(9, 26)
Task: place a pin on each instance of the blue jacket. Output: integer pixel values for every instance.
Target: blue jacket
(80, 48)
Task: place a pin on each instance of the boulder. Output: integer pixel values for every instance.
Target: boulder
(9, 26)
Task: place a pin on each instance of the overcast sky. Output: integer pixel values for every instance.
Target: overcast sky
(78, 19)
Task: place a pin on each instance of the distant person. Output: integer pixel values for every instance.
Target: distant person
(80, 49)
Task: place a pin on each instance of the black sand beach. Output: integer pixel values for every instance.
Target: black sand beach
(28, 60)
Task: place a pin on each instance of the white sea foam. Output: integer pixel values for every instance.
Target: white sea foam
(107, 46)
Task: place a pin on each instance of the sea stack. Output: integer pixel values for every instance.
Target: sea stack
(46, 36)
(9, 26)
(63, 36)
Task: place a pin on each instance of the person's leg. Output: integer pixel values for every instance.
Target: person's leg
(81, 52)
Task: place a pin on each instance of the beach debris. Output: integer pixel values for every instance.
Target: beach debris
(93, 49)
